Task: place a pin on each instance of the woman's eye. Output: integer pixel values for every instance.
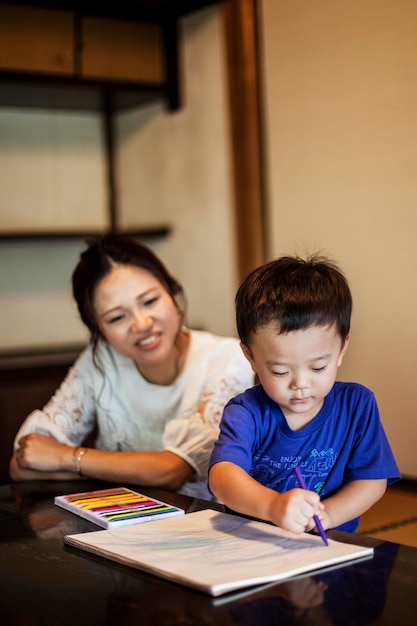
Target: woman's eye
(151, 301)
(116, 319)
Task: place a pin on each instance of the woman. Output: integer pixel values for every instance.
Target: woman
(151, 389)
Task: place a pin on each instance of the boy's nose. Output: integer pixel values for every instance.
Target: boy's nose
(300, 382)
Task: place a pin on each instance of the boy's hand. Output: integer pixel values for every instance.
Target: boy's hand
(294, 510)
(325, 517)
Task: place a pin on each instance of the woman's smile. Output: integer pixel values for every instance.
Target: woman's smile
(149, 343)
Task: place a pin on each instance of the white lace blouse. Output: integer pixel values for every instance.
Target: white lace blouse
(132, 414)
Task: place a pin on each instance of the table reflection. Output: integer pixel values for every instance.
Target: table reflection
(62, 585)
(347, 595)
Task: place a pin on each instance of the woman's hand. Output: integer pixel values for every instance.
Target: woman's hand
(42, 453)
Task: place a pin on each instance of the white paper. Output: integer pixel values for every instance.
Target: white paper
(216, 552)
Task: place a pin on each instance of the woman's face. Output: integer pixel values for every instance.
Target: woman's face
(137, 316)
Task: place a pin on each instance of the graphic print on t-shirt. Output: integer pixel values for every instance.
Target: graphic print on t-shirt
(279, 474)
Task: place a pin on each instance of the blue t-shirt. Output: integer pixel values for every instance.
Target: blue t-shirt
(344, 442)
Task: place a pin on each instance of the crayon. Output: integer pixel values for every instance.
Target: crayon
(315, 517)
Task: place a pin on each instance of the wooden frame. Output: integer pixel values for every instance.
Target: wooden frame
(240, 22)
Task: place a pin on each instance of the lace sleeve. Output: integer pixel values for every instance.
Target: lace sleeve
(69, 416)
(192, 435)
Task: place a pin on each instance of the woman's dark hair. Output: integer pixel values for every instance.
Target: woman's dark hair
(296, 293)
(97, 261)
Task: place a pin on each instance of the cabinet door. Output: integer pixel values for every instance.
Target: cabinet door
(122, 51)
(36, 40)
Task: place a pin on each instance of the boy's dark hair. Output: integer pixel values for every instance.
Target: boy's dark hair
(295, 293)
(96, 262)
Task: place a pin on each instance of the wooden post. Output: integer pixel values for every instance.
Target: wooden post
(243, 77)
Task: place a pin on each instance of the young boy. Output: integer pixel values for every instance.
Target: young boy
(293, 319)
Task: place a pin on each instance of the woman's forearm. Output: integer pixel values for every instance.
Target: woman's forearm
(43, 458)
(158, 469)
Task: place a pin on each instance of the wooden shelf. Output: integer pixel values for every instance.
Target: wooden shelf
(155, 11)
(141, 233)
(50, 92)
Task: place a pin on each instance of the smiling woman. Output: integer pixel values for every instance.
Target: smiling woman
(151, 388)
(140, 320)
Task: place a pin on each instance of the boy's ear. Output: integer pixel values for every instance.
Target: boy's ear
(248, 354)
(343, 351)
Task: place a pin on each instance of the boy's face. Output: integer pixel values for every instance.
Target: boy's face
(297, 369)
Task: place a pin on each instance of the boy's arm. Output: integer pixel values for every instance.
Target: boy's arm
(292, 510)
(352, 500)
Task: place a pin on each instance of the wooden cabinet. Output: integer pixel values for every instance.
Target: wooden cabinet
(90, 56)
(36, 40)
(54, 58)
(120, 50)
(83, 56)
(65, 44)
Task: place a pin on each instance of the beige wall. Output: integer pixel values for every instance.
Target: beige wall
(177, 169)
(340, 95)
(172, 168)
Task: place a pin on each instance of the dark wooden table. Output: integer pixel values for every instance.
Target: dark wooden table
(44, 583)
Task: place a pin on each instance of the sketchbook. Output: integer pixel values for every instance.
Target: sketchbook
(216, 552)
(117, 506)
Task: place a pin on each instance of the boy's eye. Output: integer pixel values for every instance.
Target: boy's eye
(279, 374)
(319, 369)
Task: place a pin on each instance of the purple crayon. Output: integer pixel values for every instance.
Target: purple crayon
(315, 517)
